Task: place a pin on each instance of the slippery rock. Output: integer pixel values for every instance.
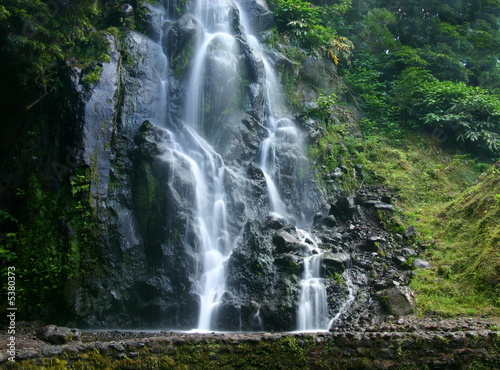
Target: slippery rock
(154, 15)
(345, 207)
(336, 262)
(100, 109)
(285, 242)
(142, 73)
(261, 18)
(180, 41)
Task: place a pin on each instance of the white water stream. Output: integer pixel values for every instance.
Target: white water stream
(214, 242)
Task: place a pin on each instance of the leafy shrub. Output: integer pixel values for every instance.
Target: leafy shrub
(468, 113)
(374, 96)
(306, 25)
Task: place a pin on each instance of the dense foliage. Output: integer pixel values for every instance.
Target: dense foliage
(426, 76)
(312, 27)
(424, 64)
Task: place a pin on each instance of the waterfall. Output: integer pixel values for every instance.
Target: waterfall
(312, 313)
(188, 143)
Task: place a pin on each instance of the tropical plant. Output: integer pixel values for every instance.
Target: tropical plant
(468, 113)
(306, 26)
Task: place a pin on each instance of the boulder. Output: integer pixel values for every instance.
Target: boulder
(372, 244)
(57, 334)
(336, 262)
(419, 263)
(398, 300)
(154, 15)
(344, 208)
(180, 41)
(285, 242)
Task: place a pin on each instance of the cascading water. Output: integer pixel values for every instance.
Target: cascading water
(187, 144)
(312, 314)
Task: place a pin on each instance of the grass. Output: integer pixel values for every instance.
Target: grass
(453, 207)
(454, 201)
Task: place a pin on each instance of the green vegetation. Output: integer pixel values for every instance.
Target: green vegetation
(436, 189)
(426, 77)
(467, 261)
(39, 39)
(428, 66)
(52, 240)
(468, 113)
(312, 28)
(54, 244)
(424, 74)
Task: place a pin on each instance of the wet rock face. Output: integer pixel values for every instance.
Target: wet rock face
(179, 42)
(150, 255)
(266, 267)
(154, 16)
(143, 72)
(262, 278)
(98, 120)
(260, 16)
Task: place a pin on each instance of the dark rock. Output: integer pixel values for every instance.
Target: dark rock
(261, 18)
(400, 260)
(142, 69)
(373, 243)
(408, 252)
(275, 223)
(285, 242)
(180, 42)
(99, 116)
(344, 208)
(330, 221)
(386, 199)
(410, 232)
(154, 16)
(398, 300)
(336, 262)
(317, 219)
(377, 204)
(57, 334)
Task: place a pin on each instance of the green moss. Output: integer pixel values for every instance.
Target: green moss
(181, 60)
(93, 77)
(466, 261)
(288, 80)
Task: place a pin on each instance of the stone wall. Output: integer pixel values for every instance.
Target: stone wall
(393, 346)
